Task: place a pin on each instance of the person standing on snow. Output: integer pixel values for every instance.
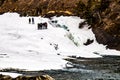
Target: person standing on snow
(33, 21)
(29, 20)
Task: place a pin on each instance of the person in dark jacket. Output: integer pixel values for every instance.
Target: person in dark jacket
(29, 20)
(33, 21)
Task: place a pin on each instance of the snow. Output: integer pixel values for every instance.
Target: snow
(13, 75)
(24, 47)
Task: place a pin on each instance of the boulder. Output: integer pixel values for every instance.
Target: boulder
(5, 77)
(42, 77)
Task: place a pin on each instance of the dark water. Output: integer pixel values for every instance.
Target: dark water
(78, 74)
(105, 68)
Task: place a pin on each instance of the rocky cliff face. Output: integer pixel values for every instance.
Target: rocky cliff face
(102, 15)
(104, 18)
(110, 24)
(24, 7)
(37, 7)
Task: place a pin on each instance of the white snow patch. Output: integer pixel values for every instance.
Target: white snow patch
(13, 75)
(23, 46)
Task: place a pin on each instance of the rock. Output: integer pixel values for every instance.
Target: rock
(110, 26)
(82, 24)
(42, 77)
(89, 42)
(46, 77)
(38, 7)
(5, 77)
(104, 18)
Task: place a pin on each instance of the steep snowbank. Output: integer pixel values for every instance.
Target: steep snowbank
(24, 47)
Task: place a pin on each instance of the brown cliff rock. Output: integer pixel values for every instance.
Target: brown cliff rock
(42, 77)
(104, 18)
(110, 26)
(37, 7)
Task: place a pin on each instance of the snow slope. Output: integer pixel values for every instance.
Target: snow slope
(22, 46)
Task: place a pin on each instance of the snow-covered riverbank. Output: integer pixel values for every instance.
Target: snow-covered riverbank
(24, 47)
